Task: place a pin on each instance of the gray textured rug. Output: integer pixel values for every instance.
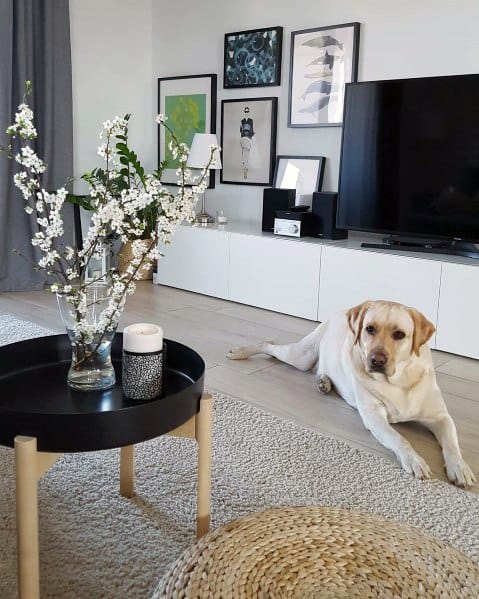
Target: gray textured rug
(95, 543)
(12, 329)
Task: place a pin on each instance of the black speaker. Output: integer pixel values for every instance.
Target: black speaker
(324, 209)
(275, 199)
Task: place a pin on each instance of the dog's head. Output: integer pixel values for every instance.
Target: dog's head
(387, 334)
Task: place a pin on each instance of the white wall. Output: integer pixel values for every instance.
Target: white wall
(112, 75)
(406, 38)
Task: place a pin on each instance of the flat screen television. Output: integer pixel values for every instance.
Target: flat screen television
(410, 158)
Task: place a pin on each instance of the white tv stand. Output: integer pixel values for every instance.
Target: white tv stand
(312, 278)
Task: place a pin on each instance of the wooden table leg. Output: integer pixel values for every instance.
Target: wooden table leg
(127, 471)
(27, 517)
(203, 427)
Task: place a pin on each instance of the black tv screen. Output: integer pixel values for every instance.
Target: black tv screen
(410, 157)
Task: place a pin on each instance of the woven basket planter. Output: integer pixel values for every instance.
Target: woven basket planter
(125, 256)
(313, 552)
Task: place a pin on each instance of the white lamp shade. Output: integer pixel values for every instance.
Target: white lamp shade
(200, 152)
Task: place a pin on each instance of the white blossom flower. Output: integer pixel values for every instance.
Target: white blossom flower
(69, 252)
(119, 212)
(30, 160)
(23, 123)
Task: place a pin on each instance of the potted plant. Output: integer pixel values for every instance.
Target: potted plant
(130, 174)
(125, 202)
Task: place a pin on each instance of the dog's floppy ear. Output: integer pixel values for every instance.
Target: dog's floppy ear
(423, 330)
(355, 318)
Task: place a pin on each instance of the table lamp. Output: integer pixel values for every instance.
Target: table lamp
(199, 157)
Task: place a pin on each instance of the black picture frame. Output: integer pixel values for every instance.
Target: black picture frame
(228, 138)
(321, 84)
(237, 73)
(209, 85)
(77, 227)
(313, 186)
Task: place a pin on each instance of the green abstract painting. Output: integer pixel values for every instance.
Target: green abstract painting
(186, 116)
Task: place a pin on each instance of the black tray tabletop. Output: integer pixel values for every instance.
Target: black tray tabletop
(36, 401)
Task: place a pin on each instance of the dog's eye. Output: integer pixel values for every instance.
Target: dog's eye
(371, 330)
(398, 335)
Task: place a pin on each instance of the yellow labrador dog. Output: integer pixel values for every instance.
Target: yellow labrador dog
(376, 356)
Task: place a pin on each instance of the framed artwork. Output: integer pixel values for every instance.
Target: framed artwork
(189, 103)
(303, 173)
(323, 60)
(248, 140)
(253, 58)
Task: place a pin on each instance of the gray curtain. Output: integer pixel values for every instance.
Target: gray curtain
(35, 46)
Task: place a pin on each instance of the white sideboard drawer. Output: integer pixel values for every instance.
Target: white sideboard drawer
(276, 274)
(458, 314)
(349, 277)
(197, 260)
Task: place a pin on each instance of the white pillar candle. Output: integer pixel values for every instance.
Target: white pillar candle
(143, 338)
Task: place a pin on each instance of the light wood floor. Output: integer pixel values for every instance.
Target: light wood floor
(212, 326)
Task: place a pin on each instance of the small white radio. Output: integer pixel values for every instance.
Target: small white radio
(291, 228)
(294, 223)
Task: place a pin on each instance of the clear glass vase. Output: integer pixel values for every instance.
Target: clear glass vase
(91, 367)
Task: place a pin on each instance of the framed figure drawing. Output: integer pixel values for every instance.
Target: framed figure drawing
(253, 58)
(323, 60)
(248, 140)
(189, 103)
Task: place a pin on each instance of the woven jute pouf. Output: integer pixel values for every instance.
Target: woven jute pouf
(306, 552)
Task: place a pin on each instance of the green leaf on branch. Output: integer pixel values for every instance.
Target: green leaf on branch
(82, 201)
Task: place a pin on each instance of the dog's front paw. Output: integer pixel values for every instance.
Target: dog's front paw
(414, 464)
(323, 384)
(459, 473)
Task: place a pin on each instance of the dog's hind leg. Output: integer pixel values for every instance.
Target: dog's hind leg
(303, 354)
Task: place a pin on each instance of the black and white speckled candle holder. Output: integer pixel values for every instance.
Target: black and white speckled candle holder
(143, 374)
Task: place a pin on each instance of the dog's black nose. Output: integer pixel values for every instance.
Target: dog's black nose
(378, 359)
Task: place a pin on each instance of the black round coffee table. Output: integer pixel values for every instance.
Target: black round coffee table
(41, 418)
